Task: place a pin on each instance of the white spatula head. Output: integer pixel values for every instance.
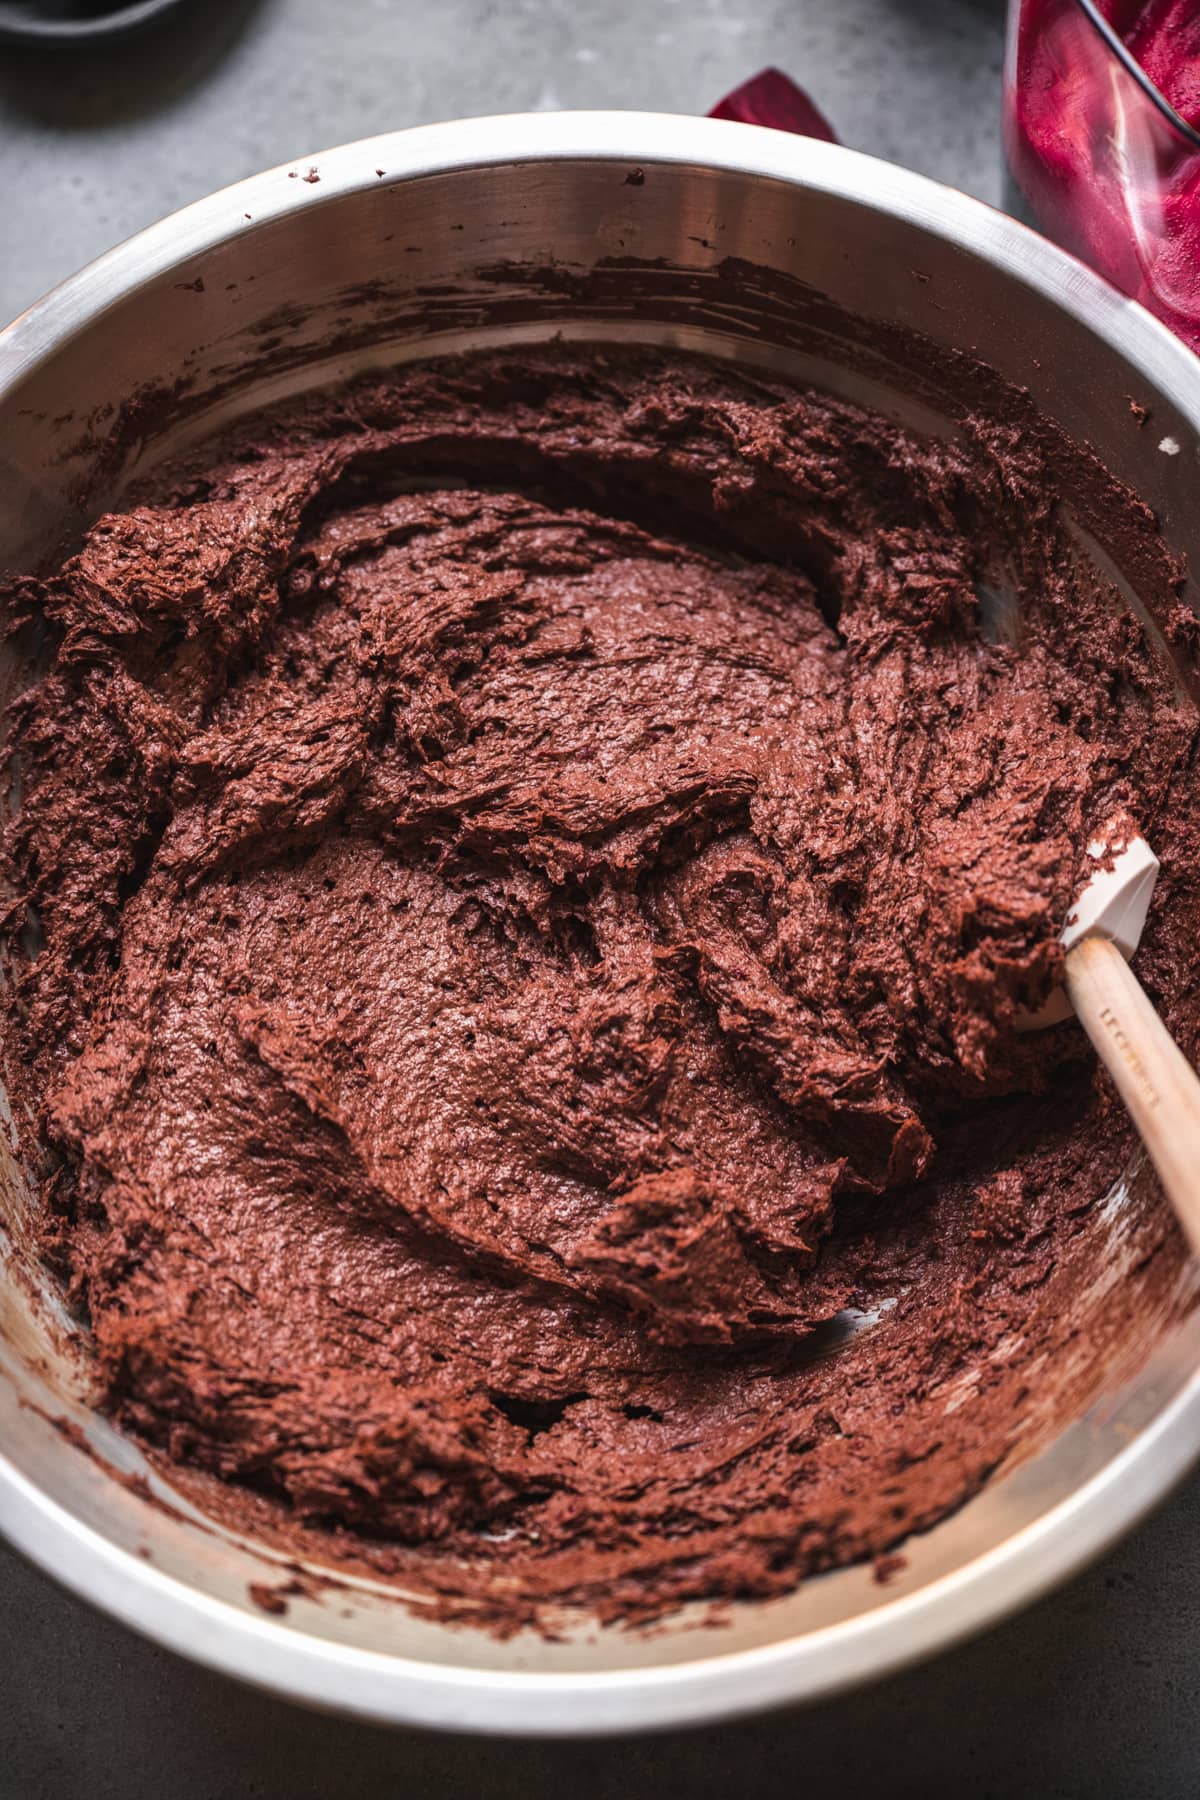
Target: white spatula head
(1115, 897)
(1112, 902)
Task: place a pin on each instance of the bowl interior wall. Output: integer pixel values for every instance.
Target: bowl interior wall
(376, 271)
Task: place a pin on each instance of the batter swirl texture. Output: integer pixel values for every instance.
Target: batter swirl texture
(538, 861)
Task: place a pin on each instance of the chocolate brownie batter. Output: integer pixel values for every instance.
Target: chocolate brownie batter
(537, 861)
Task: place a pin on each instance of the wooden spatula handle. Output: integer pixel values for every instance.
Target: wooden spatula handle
(1154, 1078)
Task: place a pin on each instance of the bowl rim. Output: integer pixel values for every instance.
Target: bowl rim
(832, 1658)
(24, 29)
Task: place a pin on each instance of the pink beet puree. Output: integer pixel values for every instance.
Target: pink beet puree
(1164, 35)
(1104, 169)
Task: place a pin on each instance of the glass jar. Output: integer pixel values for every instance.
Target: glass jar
(1099, 160)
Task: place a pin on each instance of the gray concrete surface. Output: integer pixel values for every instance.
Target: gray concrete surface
(1095, 1692)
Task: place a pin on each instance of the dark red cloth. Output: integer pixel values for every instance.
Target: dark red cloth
(772, 98)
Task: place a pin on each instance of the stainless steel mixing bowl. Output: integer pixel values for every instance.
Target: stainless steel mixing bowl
(608, 226)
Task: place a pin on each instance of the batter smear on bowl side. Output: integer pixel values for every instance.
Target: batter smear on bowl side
(537, 860)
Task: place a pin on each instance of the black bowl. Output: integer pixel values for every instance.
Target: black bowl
(66, 24)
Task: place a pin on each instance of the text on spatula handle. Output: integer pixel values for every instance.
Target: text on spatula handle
(1129, 1056)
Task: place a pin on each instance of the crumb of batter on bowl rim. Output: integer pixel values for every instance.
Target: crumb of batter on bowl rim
(268, 1599)
(537, 859)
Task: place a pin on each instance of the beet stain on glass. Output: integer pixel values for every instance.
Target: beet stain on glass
(1101, 110)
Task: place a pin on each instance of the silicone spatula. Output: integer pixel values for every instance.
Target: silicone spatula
(1158, 1085)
